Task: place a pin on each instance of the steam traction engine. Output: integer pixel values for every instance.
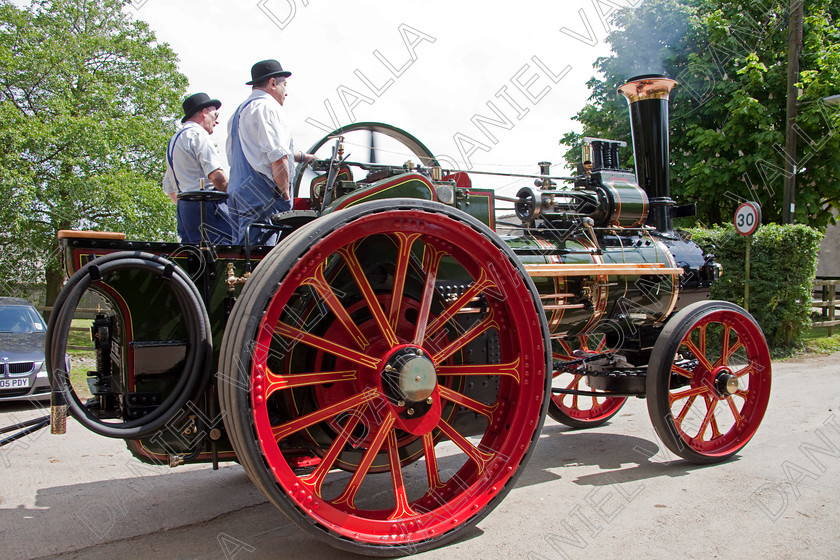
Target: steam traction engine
(384, 372)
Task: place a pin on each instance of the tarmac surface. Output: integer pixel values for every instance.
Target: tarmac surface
(608, 492)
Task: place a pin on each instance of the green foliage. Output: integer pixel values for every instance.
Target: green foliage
(783, 262)
(88, 100)
(728, 112)
(819, 342)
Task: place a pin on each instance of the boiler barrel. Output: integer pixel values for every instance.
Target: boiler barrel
(630, 282)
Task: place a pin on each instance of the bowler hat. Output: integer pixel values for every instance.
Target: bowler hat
(196, 102)
(266, 69)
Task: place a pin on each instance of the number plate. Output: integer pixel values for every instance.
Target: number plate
(20, 383)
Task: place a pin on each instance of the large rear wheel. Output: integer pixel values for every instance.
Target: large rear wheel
(384, 375)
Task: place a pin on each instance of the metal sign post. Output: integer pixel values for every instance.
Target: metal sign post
(747, 220)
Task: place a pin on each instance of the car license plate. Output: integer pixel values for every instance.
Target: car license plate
(20, 383)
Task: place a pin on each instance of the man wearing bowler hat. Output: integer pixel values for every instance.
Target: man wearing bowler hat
(261, 154)
(190, 158)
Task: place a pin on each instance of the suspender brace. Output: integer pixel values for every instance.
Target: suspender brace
(170, 152)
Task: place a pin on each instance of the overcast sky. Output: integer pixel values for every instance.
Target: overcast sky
(430, 67)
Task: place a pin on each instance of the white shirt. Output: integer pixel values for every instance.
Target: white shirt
(194, 157)
(263, 133)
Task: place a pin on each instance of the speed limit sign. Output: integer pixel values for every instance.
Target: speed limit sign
(747, 218)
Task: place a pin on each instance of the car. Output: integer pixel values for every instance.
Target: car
(23, 370)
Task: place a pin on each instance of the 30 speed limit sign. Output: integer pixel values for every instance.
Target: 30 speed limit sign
(747, 218)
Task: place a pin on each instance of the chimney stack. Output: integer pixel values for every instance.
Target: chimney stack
(647, 96)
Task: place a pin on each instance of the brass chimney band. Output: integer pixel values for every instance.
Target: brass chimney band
(647, 88)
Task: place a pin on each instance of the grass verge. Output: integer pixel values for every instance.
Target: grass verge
(818, 341)
(81, 361)
(815, 341)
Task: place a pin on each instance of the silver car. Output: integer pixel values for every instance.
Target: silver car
(23, 371)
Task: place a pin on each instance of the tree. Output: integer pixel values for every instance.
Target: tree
(88, 100)
(728, 113)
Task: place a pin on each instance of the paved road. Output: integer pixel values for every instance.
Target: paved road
(611, 492)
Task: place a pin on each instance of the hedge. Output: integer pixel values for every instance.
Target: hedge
(783, 262)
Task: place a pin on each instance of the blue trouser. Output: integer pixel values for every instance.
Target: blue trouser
(219, 224)
(248, 216)
(253, 196)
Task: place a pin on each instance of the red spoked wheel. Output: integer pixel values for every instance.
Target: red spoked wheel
(384, 373)
(579, 411)
(708, 381)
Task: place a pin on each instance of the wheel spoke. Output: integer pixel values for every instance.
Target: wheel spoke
(511, 369)
(320, 284)
(716, 433)
(567, 347)
(674, 397)
(472, 404)
(431, 462)
(682, 371)
(431, 262)
(474, 332)
(484, 282)
(479, 457)
(573, 386)
(406, 241)
(323, 414)
(602, 343)
(734, 409)
(700, 355)
(403, 508)
(320, 343)
(275, 382)
(710, 414)
(750, 368)
(724, 352)
(317, 477)
(558, 356)
(688, 404)
(349, 495)
(367, 294)
(738, 345)
(727, 351)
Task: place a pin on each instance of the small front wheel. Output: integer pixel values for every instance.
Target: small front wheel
(708, 381)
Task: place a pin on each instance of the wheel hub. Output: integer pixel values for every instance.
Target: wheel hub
(725, 382)
(409, 376)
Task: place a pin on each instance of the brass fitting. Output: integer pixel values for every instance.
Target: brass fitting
(58, 419)
(232, 279)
